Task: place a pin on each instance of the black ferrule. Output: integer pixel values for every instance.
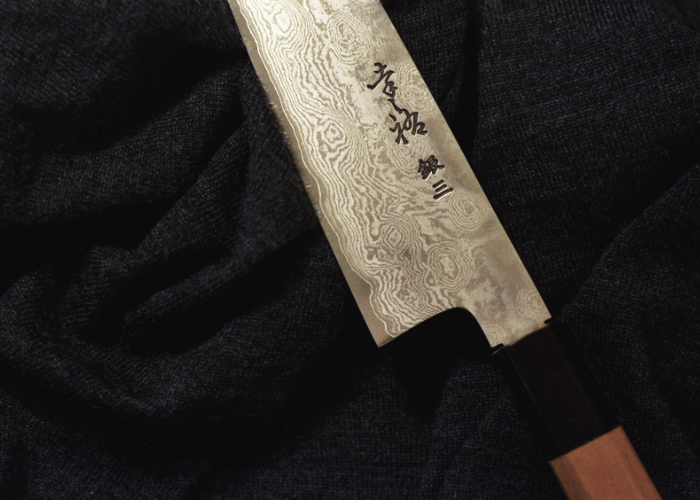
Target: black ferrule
(557, 389)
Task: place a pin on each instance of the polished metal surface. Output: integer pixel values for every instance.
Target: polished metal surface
(407, 219)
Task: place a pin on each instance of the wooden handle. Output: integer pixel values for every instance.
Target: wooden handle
(606, 468)
(569, 413)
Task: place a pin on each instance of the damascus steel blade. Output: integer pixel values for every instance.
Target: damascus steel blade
(409, 223)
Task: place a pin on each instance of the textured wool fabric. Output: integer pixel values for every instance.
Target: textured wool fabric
(173, 324)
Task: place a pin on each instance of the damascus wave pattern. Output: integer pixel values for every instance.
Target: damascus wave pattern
(408, 221)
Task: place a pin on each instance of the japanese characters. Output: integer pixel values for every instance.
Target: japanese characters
(409, 124)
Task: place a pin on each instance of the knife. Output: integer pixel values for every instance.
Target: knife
(412, 230)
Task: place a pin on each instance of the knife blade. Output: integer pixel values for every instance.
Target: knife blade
(412, 229)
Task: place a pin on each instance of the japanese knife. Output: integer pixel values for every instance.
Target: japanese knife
(410, 225)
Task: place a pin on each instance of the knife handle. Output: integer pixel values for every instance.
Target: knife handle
(607, 467)
(588, 451)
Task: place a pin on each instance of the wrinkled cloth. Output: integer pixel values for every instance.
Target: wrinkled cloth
(173, 322)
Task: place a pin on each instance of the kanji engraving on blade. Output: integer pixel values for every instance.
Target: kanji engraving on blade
(408, 124)
(429, 167)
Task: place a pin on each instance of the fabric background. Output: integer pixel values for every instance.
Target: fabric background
(174, 325)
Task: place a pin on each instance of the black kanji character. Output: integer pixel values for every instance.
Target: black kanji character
(441, 189)
(389, 86)
(411, 122)
(398, 129)
(428, 167)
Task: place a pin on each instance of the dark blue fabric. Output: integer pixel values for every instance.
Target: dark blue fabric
(173, 324)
